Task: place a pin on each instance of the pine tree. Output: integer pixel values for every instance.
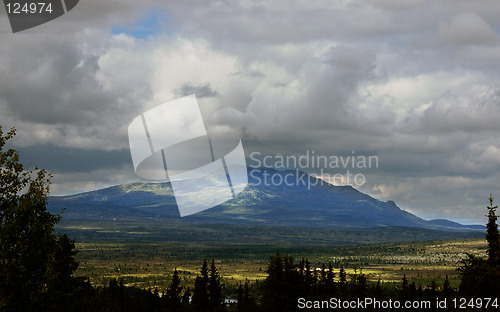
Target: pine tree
(308, 279)
(481, 277)
(330, 280)
(273, 295)
(446, 288)
(378, 292)
(492, 234)
(200, 295)
(358, 284)
(240, 303)
(174, 292)
(342, 282)
(404, 289)
(412, 291)
(322, 275)
(216, 300)
(245, 301)
(248, 301)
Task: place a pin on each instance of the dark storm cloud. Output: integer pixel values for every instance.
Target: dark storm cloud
(72, 160)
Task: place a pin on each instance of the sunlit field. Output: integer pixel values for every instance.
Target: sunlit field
(150, 265)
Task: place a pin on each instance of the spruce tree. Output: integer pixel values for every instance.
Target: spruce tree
(492, 234)
(404, 289)
(273, 295)
(330, 280)
(200, 294)
(216, 300)
(174, 292)
(342, 282)
(446, 288)
(481, 277)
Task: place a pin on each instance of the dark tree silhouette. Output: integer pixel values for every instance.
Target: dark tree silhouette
(200, 295)
(481, 277)
(492, 234)
(342, 282)
(174, 292)
(36, 265)
(216, 299)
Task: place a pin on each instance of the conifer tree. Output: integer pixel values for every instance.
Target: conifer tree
(330, 280)
(200, 294)
(378, 291)
(342, 282)
(174, 292)
(446, 288)
(274, 296)
(481, 277)
(492, 234)
(404, 289)
(216, 300)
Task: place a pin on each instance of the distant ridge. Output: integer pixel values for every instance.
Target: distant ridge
(315, 206)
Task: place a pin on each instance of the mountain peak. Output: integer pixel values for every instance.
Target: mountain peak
(272, 197)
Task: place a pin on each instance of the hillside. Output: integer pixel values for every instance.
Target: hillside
(321, 205)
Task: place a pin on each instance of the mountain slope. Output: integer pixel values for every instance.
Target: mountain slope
(314, 203)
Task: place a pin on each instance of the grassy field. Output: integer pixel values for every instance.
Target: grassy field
(145, 254)
(149, 265)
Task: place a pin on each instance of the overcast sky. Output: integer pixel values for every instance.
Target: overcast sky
(415, 83)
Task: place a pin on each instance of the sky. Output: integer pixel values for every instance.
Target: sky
(414, 83)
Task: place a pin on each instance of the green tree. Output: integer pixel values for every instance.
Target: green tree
(404, 289)
(174, 292)
(36, 265)
(492, 234)
(378, 292)
(342, 282)
(274, 296)
(245, 301)
(200, 294)
(481, 277)
(330, 281)
(216, 299)
(358, 285)
(283, 284)
(446, 288)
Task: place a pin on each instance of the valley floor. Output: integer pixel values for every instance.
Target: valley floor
(149, 265)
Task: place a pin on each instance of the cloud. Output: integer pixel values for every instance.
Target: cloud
(413, 82)
(200, 91)
(466, 29)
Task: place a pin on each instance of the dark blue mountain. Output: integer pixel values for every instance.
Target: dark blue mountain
(311, 204)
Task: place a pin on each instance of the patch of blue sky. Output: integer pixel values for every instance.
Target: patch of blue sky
(156, 21)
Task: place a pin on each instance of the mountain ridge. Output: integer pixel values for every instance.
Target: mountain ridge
(318, 205)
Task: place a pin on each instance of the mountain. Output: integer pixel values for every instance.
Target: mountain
(314, 204)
